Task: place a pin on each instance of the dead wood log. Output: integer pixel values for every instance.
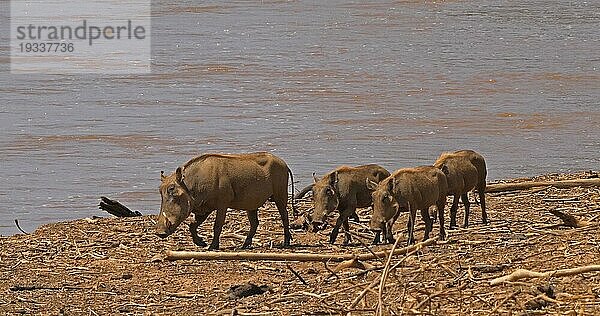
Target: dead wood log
(115, 208)
(525, 274)
(304, 191)
(353, 263)
(562, 184)
(273, 256)
(569, 220)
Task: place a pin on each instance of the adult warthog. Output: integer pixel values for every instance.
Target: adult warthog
(344, 189)
(218, 182)
(466, 171)
(409, 189)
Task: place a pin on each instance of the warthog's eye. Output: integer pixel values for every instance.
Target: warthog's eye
(330, 192)
(171, 190)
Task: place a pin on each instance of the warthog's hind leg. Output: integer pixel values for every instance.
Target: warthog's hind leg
(428, 223)
(253, 218)
(281, 207)
(441, 204)
(412, 214)
(481, 192)
(453, 210)
(465, 200)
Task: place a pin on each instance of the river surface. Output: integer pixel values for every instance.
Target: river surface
(319, 83)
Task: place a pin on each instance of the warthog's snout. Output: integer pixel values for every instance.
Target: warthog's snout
(376, 226)
(162, 234)
(318, 225)
(376, 229)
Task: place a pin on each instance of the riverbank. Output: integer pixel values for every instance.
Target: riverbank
(116, 265)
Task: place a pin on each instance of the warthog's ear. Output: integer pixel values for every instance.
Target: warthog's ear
(391, 185)
(179, 176)
(315, 177)
(162, 176)
(330, 192)
(371, 185)
(333, 179)
(444, 169)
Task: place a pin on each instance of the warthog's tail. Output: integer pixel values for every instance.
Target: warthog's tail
(294, 210)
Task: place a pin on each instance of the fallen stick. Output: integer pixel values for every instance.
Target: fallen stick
(383, 277)
(436, 294)
(561, 184)
(525, 274)
(273, 256)
(504, 301)
(296, 274)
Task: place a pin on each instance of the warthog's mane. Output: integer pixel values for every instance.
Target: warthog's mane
(206, 156)
(345, 168)
(443, 157)
(413, 169)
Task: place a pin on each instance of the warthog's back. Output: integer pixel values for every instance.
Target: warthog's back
(353, 181)
(240, 181)
(466, 170)
(420, 186)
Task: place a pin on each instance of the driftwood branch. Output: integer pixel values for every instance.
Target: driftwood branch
(563, 184)
(115, 208)
(273, 256)
(526, 274)
(19, 227)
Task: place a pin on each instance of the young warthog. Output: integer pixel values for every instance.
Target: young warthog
(344, 189)
(409, 189)
(218, 182)
(466, 171)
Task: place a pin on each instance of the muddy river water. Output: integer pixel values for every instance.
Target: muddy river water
(319, 83)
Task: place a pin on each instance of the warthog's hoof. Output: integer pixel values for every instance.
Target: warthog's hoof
(213, 247)
(200, 242)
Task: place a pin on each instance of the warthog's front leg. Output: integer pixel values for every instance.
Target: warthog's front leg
(336, 229)
(345, 215)
(198, 220)
(219, 222)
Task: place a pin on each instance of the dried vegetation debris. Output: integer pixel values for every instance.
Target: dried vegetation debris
(113, 265)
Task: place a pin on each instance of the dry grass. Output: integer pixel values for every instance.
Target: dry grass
(109, 266)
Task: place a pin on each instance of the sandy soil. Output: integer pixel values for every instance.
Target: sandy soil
(107, 266)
